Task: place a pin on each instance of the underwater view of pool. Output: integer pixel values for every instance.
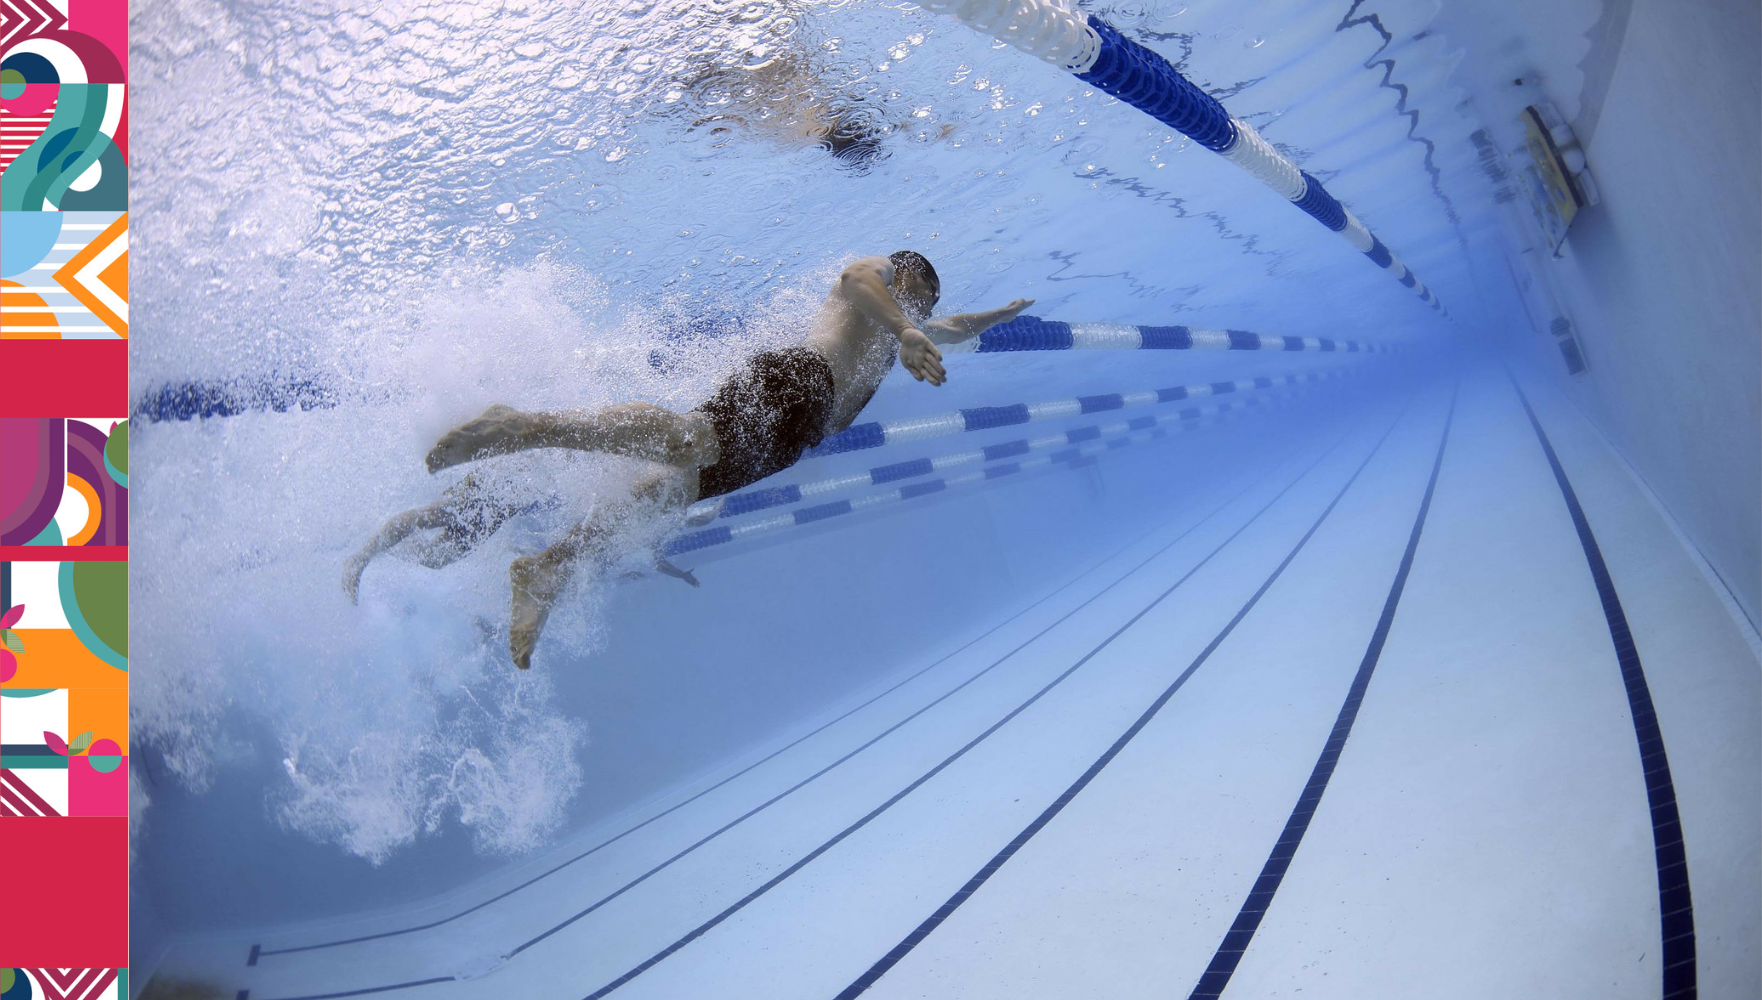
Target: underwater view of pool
(1246, 616)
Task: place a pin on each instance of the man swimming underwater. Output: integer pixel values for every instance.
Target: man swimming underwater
(778, 404)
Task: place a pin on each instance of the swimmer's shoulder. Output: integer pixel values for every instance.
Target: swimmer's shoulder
(863, 266)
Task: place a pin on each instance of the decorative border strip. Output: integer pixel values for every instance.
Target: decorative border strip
(64, 324)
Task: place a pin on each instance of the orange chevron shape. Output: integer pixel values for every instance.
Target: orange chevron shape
(115, 277)
(98, 276)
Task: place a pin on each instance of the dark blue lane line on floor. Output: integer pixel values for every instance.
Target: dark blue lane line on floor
(965, 892)
(246, 994)
(1676, 908)
(255, 949)
(807, 859)
(1229, 953)
(258, 951)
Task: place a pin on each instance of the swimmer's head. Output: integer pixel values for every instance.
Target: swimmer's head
(915, 284)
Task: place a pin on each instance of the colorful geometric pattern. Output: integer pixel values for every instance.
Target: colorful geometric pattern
(64, 760)
(73, 630)
(64, 245)
(30, 17)
(63, 984)
(63, 482)
(19, 797)
(33, 777)
(63, 275)
(45, 771)
(63, 169)
(97, 275)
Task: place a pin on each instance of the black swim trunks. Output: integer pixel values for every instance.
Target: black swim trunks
(767, 413)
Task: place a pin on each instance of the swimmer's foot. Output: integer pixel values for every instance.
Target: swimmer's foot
(702, 513)
(535, 582)
(667, 568)
(496, 432)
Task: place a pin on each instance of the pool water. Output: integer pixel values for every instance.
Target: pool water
(1047, 733)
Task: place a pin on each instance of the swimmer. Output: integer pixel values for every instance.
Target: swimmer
(758, 422)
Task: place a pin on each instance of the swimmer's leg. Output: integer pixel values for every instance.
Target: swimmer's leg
(395, 530)
(465, 514)
(666, 567)
(536, 581)
(635, 430)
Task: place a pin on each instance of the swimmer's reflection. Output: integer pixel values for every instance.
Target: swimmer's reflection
(789, 93)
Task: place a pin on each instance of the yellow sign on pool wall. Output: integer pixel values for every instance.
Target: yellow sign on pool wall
(1554, 196)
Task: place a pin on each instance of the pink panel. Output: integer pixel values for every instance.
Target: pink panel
(91, 792)
(106, 21)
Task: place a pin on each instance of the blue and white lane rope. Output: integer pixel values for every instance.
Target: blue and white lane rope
(751, 501)
(1031, 333)
(1076, 455)
(875, 433)
(1100, 56)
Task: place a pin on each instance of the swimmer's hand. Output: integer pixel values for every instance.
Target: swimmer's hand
(703, 512)
(920, 357)
(1007, 313)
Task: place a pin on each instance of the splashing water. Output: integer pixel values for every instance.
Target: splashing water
(403, 712)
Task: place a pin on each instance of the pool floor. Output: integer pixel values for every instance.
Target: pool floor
(1298, 740)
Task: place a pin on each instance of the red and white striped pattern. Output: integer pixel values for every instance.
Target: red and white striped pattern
(73, 984)
(17, 132)
(20, 799)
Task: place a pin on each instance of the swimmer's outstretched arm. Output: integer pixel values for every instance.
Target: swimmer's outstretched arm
(964, 326)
